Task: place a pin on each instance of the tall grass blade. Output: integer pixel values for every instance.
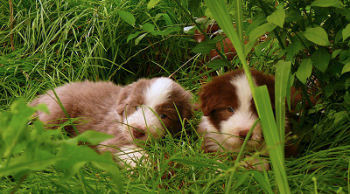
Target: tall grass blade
(239, 18)
(281, 87)
(272, 138)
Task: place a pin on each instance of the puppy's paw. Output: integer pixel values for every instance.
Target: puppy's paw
(131, 156)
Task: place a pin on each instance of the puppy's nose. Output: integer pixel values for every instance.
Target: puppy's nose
(138, 133)
(243, 133)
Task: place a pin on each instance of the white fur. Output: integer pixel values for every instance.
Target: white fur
(158, 92)
(131, 155)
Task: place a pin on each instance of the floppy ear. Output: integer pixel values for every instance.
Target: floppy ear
(131, 96)
(122, 102)
(187, 108)
(208, 99)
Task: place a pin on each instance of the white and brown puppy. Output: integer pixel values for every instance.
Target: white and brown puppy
(135, 111)
(229, 112)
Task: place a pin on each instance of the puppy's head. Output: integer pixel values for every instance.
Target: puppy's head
(149, 107)
(229, 111)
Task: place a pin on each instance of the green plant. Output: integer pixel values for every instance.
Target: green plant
(29, 148)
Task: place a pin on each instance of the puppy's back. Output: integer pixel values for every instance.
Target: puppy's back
(89, 100)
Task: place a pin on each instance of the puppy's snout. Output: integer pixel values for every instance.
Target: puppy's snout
(243, 133)
(138, 133)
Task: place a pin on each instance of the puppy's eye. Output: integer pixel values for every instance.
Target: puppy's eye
(163, 116)
(230, 109)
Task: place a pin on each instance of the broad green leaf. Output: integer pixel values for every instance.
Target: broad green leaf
(76, 156)
(37, 164)
(13, 132)
(261, 30)
(294, 48)
(167, 31)
(90, 136)
(283, 69)
(304, 71)
(216, 64)
(327, 3)
(127, 17)
(256, 33)
(336, 52)
(277, 17)
(340, 116)
(346, 32)
(132, 36)
(346, 68)
(204, 47)
(320, 59)
(317, 35)
(152, 3)
(148, 27)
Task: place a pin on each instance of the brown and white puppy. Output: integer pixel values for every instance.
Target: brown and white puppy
(229, 112)
(135, 111)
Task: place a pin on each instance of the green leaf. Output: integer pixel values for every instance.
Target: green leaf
(127, 17)
(320, 59)
(152, 3)
(256, 33)
(216, 64)
(168, 31)
(336, 52)
(317, 35)
(204, 47)
(294, 48)
(132, 36)
(346, 68)
(327, 3)
(346, 32)
(138, 39)
(13, 133)
(277, 17)
(33, 164)
(148, 27)
(90, 136)
(304, 71)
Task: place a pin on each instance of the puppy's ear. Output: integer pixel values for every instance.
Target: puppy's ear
(187, 110)
(131, 96)
(208, 99)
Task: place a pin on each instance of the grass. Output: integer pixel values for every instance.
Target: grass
(60, 41)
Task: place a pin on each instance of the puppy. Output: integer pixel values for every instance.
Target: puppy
(142, 109)
(229, 112)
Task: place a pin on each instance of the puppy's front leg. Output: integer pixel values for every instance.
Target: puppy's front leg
(131, 155)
